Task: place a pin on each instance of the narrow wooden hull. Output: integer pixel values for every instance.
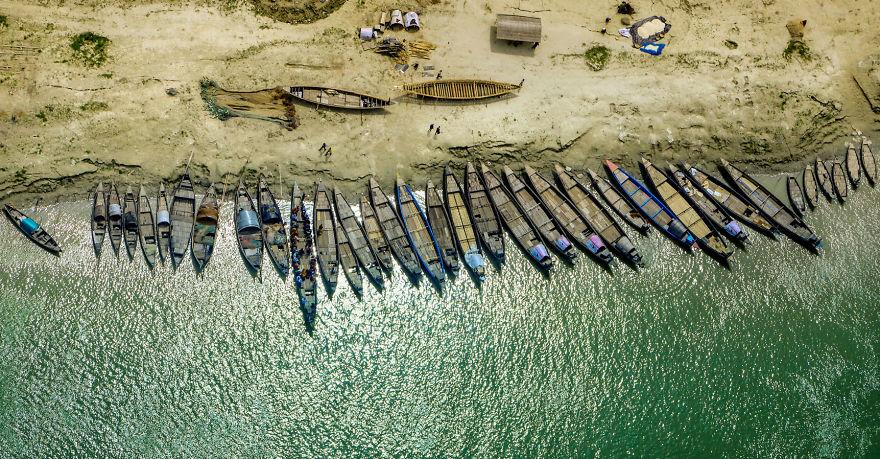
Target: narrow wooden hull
(375, 236)
(99, 218)
(710, 210)
(274, 233)
(823, 179)
(325, 237)
(183, 212)
(811, 188)
(868, 161)
(348, 261)
(130, 224)
(853, 166)
(418, 231)
(461, 222)
(248, 231)
(392, 228)
(795, 196)
(441, 227)
(618, 203)
(205, 229)
(31, 230)
(147, 229)
(357, 238)
(485, 214)
(460, 89)
(114, 215)
(839, 183)
(163, 225)
(302, 255)
(338, 98)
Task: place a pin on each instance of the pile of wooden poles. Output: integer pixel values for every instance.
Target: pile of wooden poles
(403, 51)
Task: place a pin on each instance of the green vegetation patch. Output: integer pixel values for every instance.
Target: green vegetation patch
(4, 22)
(94, 106)
(597, 57)
(797, 49)
(90, 48)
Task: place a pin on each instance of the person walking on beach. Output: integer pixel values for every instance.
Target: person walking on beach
(440, 74)
(323, 148)
(430, 128)
(329, 152)
(437, 132)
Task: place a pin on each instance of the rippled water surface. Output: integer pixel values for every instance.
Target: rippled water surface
(777, 356)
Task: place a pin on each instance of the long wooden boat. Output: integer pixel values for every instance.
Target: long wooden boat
(853, 167)
(418, 231)
(347, 260)
(130, 222)
(147, 228)
(375, 236)
(302, 255)
(592, 211)
(441, 227)
(520, 228)
(728, 199)
(183, 213)
(247, 229)
(838, 182)
(707, 236)
(566, 217)
(114, 213)
(163, 224)
(823, 178)
(338, 98)
(357, 238)
(459, 89)
(811, 188)
(795, 196)
(539, 217)
(392, 228)
(32, 230)
(869, 162)
(651, 207)
(708, 208)
(274, 233)
(205, 230)
(99, 218)
(486, 218)
(463, 225)
(771, 207)
(618, 204)
(325, 237)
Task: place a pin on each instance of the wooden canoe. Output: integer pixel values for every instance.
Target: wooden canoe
(869, 162)
(838, 181)
(418, 231)
(667, 189)
(392, 228)
(462, 225)
(205, 229)
(183, 213)
(651, 207)
(347, 260)
(338, 98)
(99, 218)
(459, 89)
(592, 211)
(853, 168)
(711, 211)
(823, 179)
(163, 224)
(147, 228)
(130, 223)
(717, 190)
(375, 236)
(541, 219)
(114, 215)
(811, 188)
(520, 228)
(248, 232)
(32, 230)
(618, 204)
(567, 218)
(302, 255)
(441, 227)
(771, 207)
(795, 196)
(274, 233)
(357, 238)
(486, 218)
(325, 237)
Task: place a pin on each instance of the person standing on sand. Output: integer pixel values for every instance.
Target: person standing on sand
(440, 74)
(329, 152)
(437, 132)
(430, 128)
(323, 147)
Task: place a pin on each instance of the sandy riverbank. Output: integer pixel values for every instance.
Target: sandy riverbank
(721, 89)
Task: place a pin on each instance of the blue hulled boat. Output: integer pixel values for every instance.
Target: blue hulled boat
(418, 231)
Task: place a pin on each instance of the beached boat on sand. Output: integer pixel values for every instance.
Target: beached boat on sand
(441, 227)
(205, 230)
(771, 207)
(838, 182)
(592, 211)
(183, 212)
(325, 237)
(130, 223)
(651, 207)
(511, 215)
(99, 218)
(459, 89)
(701, 228)
(462, 225)
(486, 218)
(418, 230)
(375, 236)
(618, 204)
(728, 199)
(811, 188)
(147, 228)
(868, 161)
(539, 217)
(795, 196)
(823, 179)
(392, 228)
(274, 233)
(709, 209)
(247, 229)
(163, 224)
(302, 255)
(567, 217)
(338, 98)
(853, 167)
(114, 213)
(357, 238)
(32, 230)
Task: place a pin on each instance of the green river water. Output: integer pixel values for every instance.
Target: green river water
(775, 357)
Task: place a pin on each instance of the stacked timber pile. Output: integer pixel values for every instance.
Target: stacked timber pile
(402, 51)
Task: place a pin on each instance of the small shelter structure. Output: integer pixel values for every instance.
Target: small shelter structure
(396, 22)
(515, 28)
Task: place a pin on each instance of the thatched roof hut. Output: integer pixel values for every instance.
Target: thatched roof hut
(512, 27)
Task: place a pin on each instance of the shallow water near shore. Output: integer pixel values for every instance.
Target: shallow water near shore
(777, 355)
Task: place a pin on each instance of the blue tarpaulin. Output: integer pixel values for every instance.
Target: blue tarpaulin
(538, 252)
(29, 226)
(733, 228)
